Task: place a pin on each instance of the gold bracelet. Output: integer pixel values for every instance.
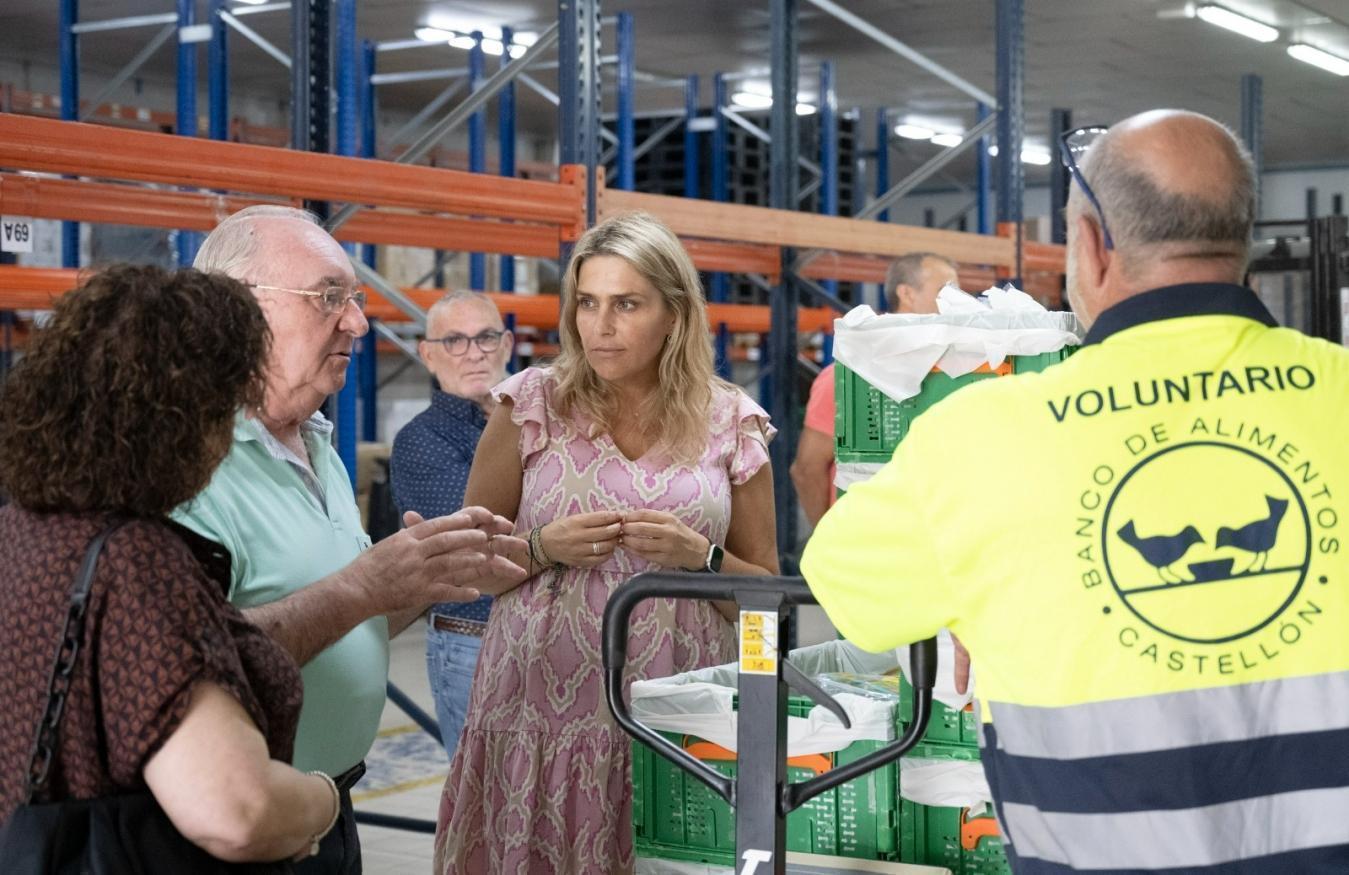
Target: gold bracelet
(337, 812)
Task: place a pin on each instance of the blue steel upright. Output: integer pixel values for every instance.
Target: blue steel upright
(828, 127)
(477, 151)
(692, 170)
(218, 73)
(369, 359)
(983, 182)
(345, 64)
(70, 111)
(1011, 118)
(782, 342)
(882, 158)
(506, 161)
(882, 181)
(578, 55)
(1060, 120)
(1252, 126)
(719, 285)
(186, 125)
(627, 85)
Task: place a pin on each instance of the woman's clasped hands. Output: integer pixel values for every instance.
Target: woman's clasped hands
(586, 540)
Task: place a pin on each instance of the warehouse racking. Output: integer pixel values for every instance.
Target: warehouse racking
(793, 256)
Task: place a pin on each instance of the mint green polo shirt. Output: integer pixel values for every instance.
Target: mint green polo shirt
(286, 529)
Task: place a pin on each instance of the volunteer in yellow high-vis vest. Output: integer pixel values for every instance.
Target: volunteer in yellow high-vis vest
(1143, 548)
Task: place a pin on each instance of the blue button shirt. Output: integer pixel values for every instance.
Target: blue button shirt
(428, 470)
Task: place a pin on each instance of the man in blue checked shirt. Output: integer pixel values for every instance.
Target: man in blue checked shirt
(466, 349)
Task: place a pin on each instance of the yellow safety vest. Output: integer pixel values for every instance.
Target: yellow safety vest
(1144, 549)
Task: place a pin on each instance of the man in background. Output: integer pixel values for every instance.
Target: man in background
(466, 350)
(911, 286)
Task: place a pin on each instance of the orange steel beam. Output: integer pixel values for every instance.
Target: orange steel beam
(30, 143)
(82, 201)
(1036, 257)
(34, 288)
(733, 257)
(1043, 257)
(747, 224)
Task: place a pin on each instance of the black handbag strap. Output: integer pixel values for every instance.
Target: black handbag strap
(63, 667)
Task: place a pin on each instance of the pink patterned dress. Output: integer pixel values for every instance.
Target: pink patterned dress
(540, 782)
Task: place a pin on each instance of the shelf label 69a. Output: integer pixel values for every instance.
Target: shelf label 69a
(16, 234)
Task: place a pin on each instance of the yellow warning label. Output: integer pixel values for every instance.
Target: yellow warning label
(758, 643)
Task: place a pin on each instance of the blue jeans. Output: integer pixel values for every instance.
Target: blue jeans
(450, 661)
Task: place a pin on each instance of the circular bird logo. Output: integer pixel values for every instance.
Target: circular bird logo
(1206, 542)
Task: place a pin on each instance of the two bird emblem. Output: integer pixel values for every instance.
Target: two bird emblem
(1163, 551)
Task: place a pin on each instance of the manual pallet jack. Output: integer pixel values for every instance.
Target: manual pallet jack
(759, 793)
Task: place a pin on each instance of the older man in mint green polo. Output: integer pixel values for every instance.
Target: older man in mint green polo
(303, 568)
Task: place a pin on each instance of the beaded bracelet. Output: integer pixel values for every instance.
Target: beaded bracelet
(536, 552)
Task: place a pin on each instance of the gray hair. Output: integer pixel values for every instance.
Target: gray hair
(1141, 215)
(907, 270)
(229, 249)
(443, 304)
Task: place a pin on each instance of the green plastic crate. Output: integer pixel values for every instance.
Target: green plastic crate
(945, 726)
(868, 421)
(677, 817)
(932, 836)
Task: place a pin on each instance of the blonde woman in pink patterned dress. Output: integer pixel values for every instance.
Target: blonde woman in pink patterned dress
(627, 455)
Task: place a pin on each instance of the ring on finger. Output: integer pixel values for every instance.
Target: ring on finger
(595, 548)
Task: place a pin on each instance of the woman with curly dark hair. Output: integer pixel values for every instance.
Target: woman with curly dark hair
(120, 411)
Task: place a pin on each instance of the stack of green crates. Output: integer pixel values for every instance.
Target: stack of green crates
(868, 424)
(677, 817)
(941, 836)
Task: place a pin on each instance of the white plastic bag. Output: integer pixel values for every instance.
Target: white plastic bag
(699, 702)
(945, 783)
(895, 352)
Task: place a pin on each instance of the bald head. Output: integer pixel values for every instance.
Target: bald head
(1173, 186)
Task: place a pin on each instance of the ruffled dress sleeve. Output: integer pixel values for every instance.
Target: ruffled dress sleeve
(753, 431)
(530, 391)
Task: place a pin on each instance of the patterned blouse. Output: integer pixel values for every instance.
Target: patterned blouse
(157, 623)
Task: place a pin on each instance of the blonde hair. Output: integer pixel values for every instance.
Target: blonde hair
(686, 375)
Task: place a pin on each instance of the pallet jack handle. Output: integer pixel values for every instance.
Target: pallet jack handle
(787, 591)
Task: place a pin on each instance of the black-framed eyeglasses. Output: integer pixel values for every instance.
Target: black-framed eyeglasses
(1072, 146)
(457, 344)
(332, 299)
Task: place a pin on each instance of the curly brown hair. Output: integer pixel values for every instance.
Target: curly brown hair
(125, 401)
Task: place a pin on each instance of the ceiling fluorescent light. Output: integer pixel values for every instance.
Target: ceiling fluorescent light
(462, 41)
(492, 46)
(805, 109)
(1317, 58)
(518, 51)
(914, 132)
(433, 35)
(947, 140)
(251, 2)
(750, 100)
(1038, 157)
(1247, 27)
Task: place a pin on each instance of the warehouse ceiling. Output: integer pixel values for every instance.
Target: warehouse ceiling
(1102, 59)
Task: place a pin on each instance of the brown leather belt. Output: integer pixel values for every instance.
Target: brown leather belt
(458, 625)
